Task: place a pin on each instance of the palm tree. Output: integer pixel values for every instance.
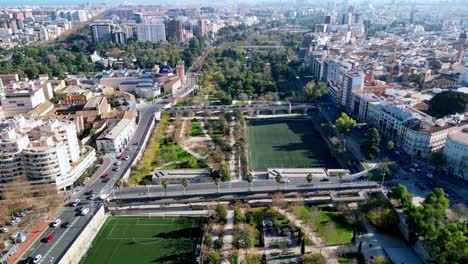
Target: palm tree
(164, 184)
(383, 169)
(340, 175)
(309, 178)
(185, 183)
(278, 179)
(249, 179)
(216, 181)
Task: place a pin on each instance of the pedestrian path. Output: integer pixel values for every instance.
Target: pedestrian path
(227, 237)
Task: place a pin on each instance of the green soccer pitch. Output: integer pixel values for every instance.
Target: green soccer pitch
(145, 240)
(287, 144)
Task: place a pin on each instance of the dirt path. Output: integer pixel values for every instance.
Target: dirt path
(227, 237)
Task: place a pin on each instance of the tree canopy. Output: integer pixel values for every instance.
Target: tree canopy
(449, 102)
(344, 123)
(371, 144)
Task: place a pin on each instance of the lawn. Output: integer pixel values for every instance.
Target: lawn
(339, 233)
(145, 240)
(172, 152)
(287, 144)
(196, 130)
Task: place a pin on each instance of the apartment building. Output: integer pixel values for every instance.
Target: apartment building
(456, 151)
(151, 32)
(45, 151)
(17, 100)
(118, 134)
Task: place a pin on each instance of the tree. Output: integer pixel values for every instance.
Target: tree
(213, 258)
(278, 179)
(218, 243)
(208, 241)
(427, 219)
(249, 179)
(119, 183)
(315, 91)
(278, 200)
(244, 238)
(164, 184)
(438, 160)
(238, 216)
(383, 169)
(449, 102)
(309, 178)
(370, 145)
(224, 172)
(401, 194)
(390, 145)
(185, 183)
(344, 123)
(221, 214)
(450, 245)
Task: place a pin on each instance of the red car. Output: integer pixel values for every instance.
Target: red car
(49, 238)
(102, 161)
(105, 175)
(119, 157)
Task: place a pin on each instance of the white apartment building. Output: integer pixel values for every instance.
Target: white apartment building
(21, 100)
(413, 131)
(151, 32)
(44, 151)
(456, 151)
(118, 135)
(352, 82)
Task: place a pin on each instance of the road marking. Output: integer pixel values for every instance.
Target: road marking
(60, 237)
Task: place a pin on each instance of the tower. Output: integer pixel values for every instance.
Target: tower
(462, 41)
(411, 20)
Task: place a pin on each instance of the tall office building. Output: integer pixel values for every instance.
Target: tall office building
(462, 42)
(101, 32)
(119, 37)
(174, 29)
(352, 82)
(151, 32)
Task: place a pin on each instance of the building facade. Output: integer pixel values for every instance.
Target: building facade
(456, 151)
(151, 32)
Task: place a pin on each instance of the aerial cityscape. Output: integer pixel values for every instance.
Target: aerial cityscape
(234, 131)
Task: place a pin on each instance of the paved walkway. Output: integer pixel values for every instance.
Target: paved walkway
(319, 244)
(227, 237)
(232, 157)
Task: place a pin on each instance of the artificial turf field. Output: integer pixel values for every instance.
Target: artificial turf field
(145, 240)
(287, 144)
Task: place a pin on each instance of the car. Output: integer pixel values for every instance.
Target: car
(117, 163)
(324, 180)
(102, 161)
(397, 152)
(104, 196)
(116, 168)
(84, 211)
(105, 175)
(4, 229)
(90, 192)
(76, 202)
(429, 175)
(66, 225)
(285, 180)
(412, 170)
(414, 165)
(56, 223)
(15, 220)
(49, 238)
(119, 156)
(126, 158)
(37, 258)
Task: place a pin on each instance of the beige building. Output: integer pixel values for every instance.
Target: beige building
(456, 151)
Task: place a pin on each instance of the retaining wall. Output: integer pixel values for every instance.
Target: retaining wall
(78, 248)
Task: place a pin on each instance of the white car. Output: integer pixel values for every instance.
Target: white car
(117, 163)
(412, 170)
(4, 229)
(84, 211)
(56, 223)
(126, 158)
(104, 196)
(37, 259)
(76, 203)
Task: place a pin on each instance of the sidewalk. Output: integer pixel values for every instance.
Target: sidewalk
(34, 233)
(227, 237)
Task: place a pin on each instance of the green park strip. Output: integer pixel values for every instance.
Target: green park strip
(124, 240)
(287, 144)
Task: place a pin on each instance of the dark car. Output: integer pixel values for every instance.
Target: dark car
(324, 180)
(65, 225)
